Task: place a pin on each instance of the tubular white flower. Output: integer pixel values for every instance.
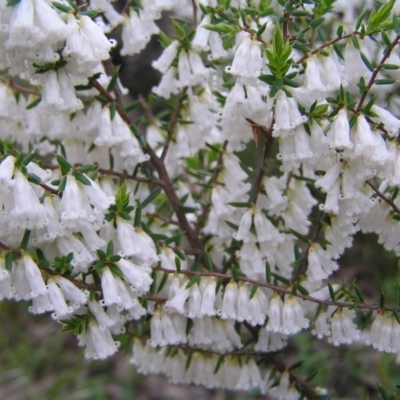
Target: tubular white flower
(57, 300)
(339, 133)
(275, 314)
(74, 295)
(109, 287)
(228, 309)
(166, 58)
(208, 297)
(34, 277)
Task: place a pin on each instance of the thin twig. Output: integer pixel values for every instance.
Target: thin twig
(376, 71)
(383, 197)
(172, 124)
(214, 180)
(326, 44)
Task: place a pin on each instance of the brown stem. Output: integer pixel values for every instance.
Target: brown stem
(383, 197)
(326, 44)
(266, 152)
(340, 304)
(376, 71)
(172, 124)
(214, 180)
(194, 8)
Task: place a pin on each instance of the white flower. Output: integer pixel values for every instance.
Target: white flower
(339, 133)
(57, 300)
(166, 58)
(344, 331)
(293, 317)
(391, 123)
(34, 276)
(99, 342)
(287, 114)
(247, 62)
(109, 287)
(75, 296)
(208, 297)
(135, 275)
(275, 314)
(27, 212)
(228, 309)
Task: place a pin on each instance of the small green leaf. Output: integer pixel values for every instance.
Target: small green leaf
(61, 7)
(268, 272)
(331, 292)
(34, 179)
(82, 178)
(240, 205)
(113, 79)
(209, 262)
(25, 240)
(34, 103)
(194, 279)
(9, 261)
(317, 22)
(151, 197)
(113, 110)
(178, 263)
(318, 312)
(64, 164)
(163, 282)
(253, 291)
(384, 81)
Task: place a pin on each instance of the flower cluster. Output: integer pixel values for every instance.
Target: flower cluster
(210, 226)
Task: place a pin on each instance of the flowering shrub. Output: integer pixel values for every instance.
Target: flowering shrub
(122, 220)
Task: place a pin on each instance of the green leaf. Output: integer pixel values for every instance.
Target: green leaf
(9, 260)
(61, 7)
(113, 79)
(253, 291)
(267, 272)
(25, 240)
(240, 205)
(64, 164)
(378, 18)
(317, 22)
(359, 294)
(194, 279)
(34, 179)
(138, 216)
(290, 82)
(318, 312)
(62, 184)
(298, 235)
(113, 110)
(390, 66)
(34, 103)
(151, 197)
(178, 263)
(221, 28)
(82, 178)
(132, 106)
(331, 292)
(110, 248)
(384, 81)
(280, 278)
(367, 62)
(209, 262)
(359, 20)
(162, 283)
(248, 171)
(91, 13)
